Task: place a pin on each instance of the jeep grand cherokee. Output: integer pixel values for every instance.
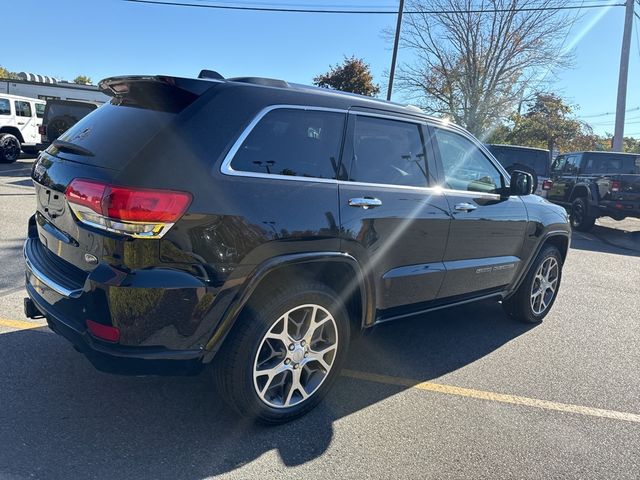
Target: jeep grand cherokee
(256, 225)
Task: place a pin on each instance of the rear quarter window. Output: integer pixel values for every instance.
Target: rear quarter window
(614, 164)
(293, 142)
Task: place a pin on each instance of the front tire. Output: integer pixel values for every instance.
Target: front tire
(9, 148)
(581, 220)
(537, 293)
(284, 353)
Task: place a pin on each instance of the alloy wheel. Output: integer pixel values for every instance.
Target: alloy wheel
(295, 356)
(545, 284)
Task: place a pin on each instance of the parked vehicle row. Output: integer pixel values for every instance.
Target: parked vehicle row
(260, 225)
(596, 184)
(30, 125)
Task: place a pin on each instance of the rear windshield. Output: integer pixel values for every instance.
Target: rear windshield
(537, 160)
(111, 135)
(71, 112)
(611, 163)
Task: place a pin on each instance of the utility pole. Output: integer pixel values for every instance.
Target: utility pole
(394, 57)
(621, 104)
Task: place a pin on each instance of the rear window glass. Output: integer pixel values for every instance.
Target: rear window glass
(69, 112)
(616, 164)
(5, 107)
(113, 134)
(537, 160)
(302, 143)
(40, 110)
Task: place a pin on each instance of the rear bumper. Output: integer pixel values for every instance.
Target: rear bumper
(619, 208)
(67, 302)
(114, 358)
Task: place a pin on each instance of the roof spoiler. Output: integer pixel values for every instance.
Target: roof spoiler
(123, 85)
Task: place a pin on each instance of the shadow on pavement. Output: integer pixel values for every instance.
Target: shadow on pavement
(608, 240)
(60, 418)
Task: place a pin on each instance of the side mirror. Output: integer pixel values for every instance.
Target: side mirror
(521, 183)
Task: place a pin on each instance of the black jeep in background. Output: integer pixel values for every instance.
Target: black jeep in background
(60, 116)
(258, 225)
(596, 184)
(535, 161)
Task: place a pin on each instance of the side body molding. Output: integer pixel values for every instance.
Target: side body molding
(360, 281)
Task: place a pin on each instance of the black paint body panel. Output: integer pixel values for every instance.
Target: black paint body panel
(182, 292)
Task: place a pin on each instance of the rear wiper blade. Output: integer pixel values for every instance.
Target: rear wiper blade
(68, 147)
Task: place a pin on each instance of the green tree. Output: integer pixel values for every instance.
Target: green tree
(83, 80)
(4, 73)
(353, 76)
(548, 123)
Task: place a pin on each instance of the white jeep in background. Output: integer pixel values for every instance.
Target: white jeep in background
(20, 118)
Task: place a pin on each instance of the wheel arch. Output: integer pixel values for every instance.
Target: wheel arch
(557, 238)
(582, 190)
(339, 271)
(13, 131)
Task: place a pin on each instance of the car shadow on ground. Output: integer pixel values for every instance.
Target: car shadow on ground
(605, 239)
(60, 418)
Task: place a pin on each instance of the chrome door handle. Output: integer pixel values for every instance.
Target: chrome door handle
(365, 202)
(464, 207)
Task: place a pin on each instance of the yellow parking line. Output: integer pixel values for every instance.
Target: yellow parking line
(19, 324)
(493, 396)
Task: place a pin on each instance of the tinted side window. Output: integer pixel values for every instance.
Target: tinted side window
(558, 164)
(5, 107)
(40, 110)
(465, 166)
(610, 164)
(23, 109)
(304, 143)
(388, 151)
(573, 165)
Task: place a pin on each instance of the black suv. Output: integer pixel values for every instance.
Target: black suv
(263, 224)
(596, 184)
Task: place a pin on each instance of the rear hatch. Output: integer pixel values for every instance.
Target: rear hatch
(91, 155)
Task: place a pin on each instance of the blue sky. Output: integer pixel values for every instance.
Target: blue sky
(101, 38)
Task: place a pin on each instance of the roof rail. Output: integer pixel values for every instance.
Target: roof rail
(212, 74)
(267, 82)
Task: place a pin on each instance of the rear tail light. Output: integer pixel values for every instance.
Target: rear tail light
(42, 129)
(547, 184)
(103, 332)
(143, 213)
(615, 186)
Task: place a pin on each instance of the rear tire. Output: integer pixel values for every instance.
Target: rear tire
(9, 148)
(271, 366)
(581, 220)
(537, 293)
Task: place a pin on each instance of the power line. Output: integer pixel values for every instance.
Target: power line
(607, 113)
(367, 12)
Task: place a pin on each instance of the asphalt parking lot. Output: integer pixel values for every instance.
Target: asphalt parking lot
(465, 393)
